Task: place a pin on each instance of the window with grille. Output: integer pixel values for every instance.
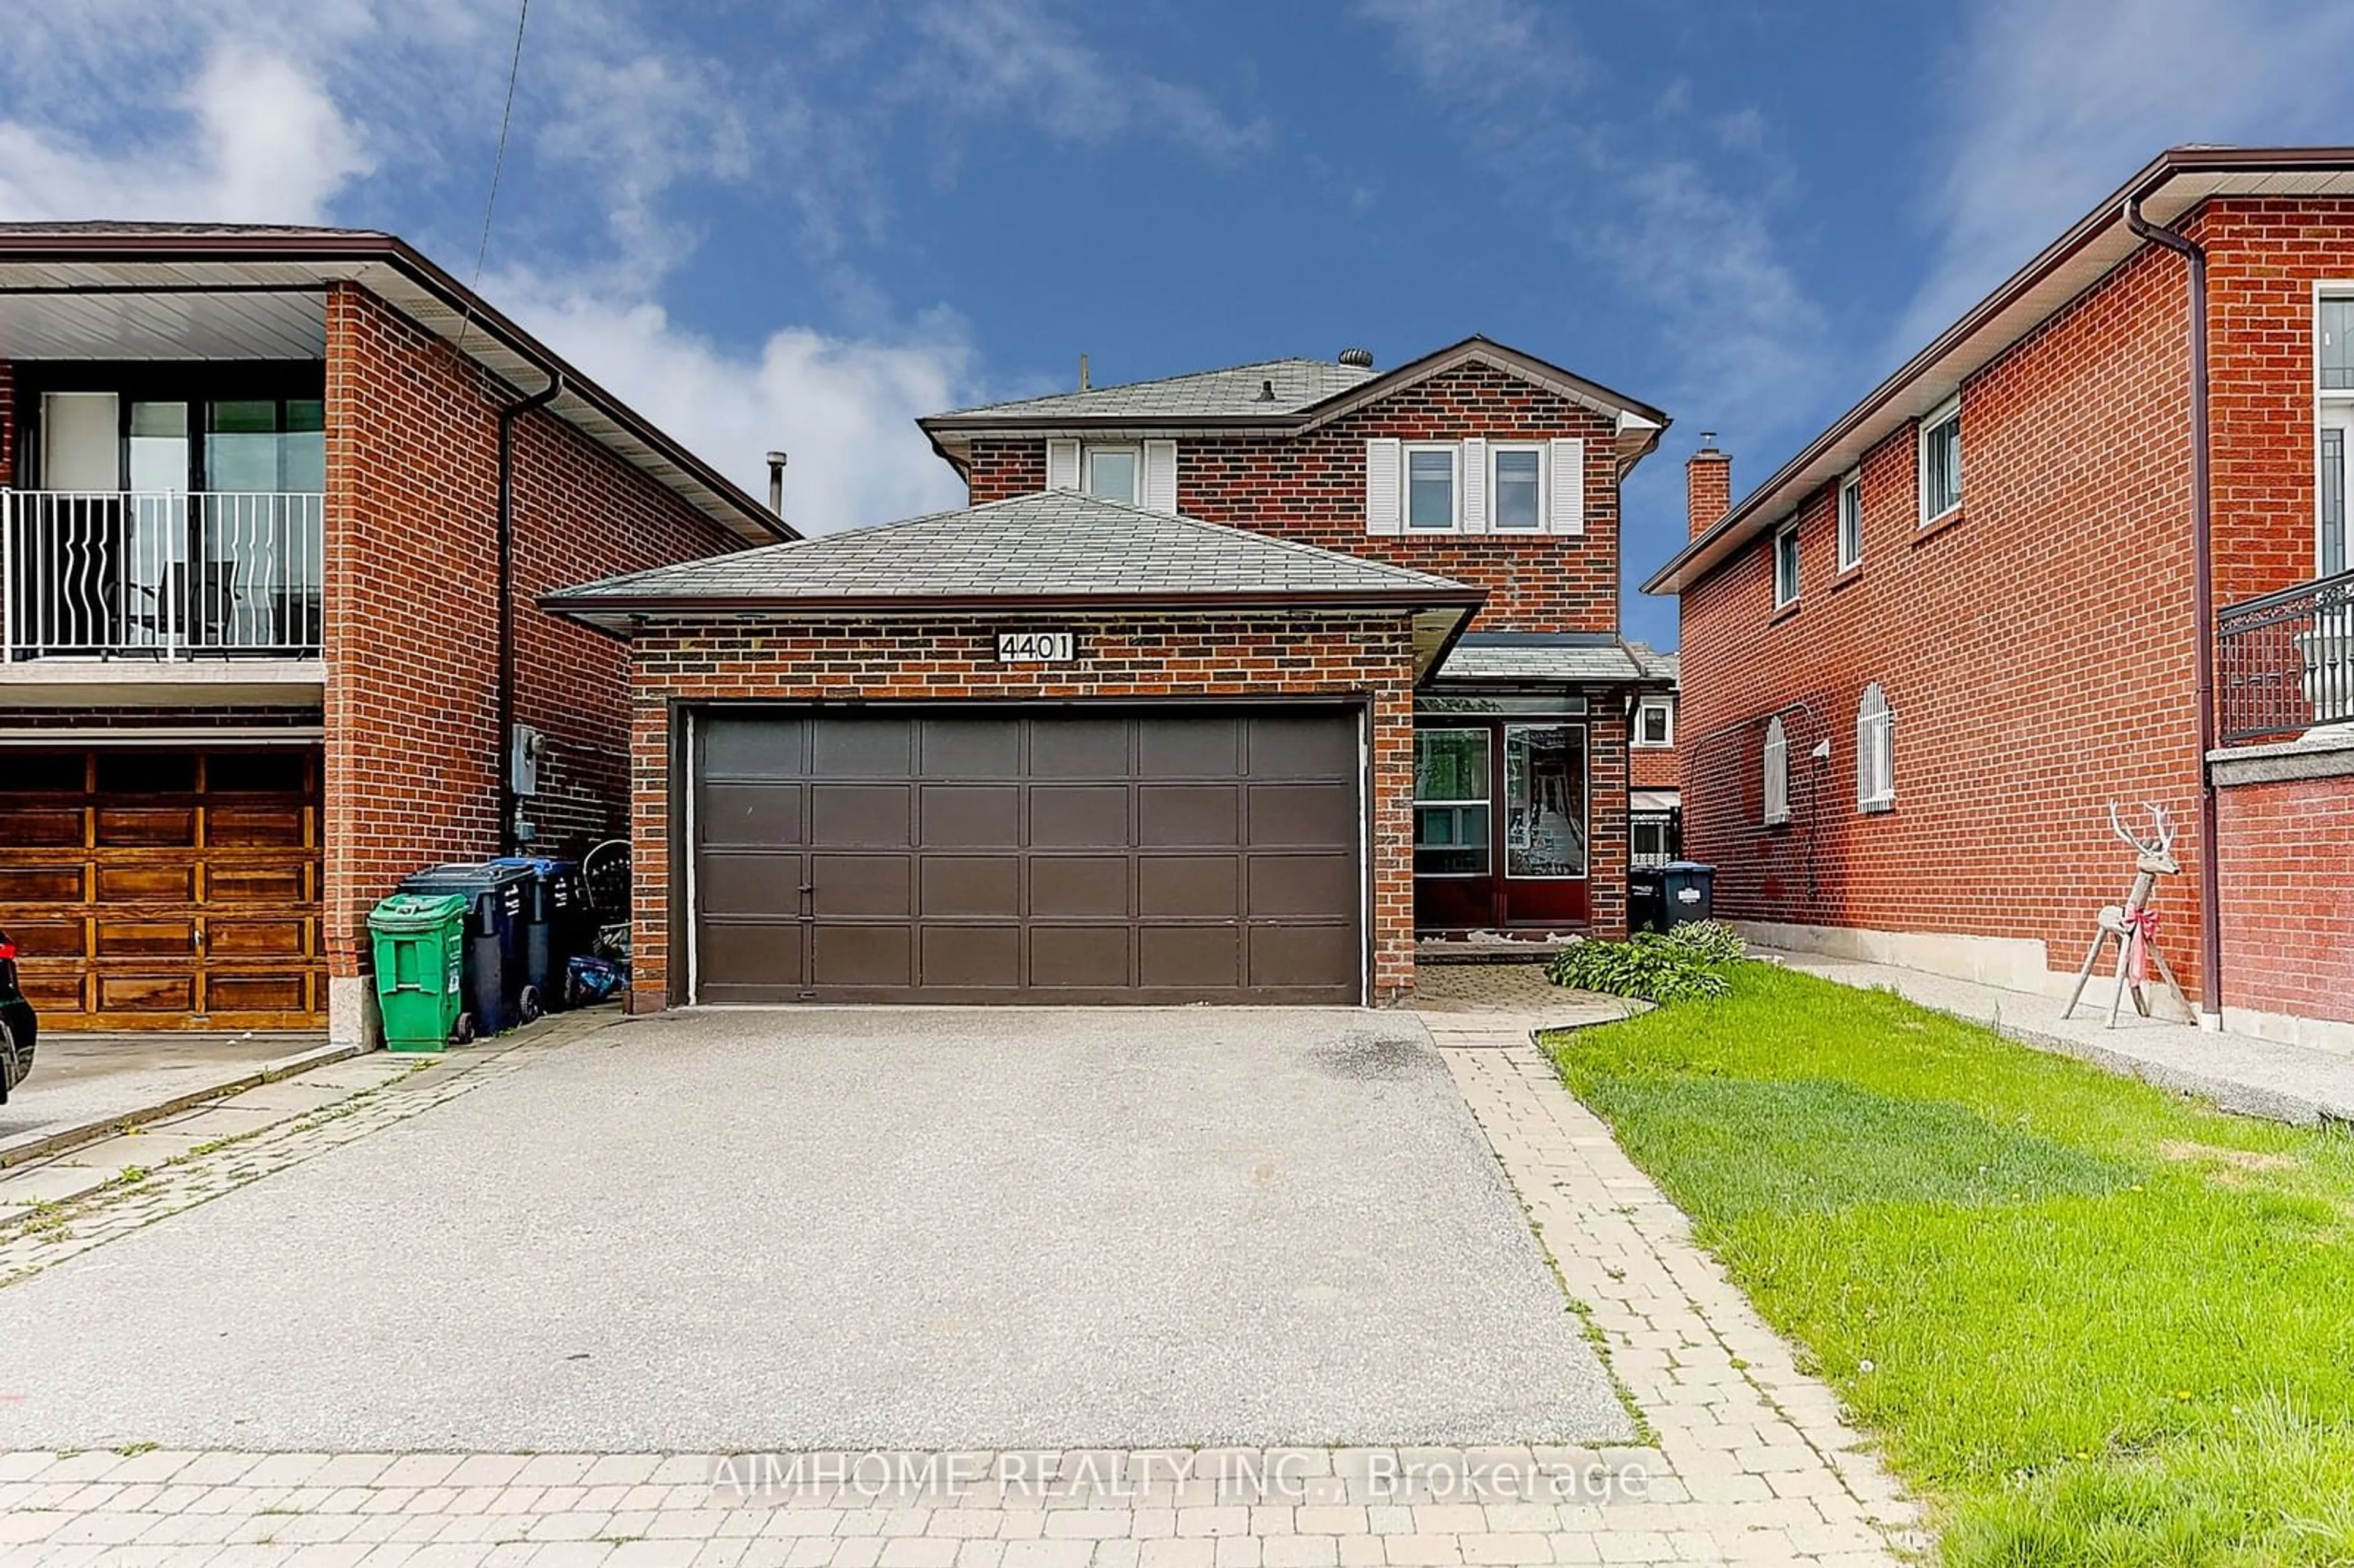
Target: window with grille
(1777, 773)
(1875, 751)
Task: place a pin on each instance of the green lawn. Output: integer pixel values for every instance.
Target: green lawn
(2092, 1322)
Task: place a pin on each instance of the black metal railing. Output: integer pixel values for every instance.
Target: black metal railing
(2284, 662)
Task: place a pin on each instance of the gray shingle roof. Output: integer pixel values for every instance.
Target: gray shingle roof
(1237, 391)
(1057, 543)
(1656, 665)
(1566, 656)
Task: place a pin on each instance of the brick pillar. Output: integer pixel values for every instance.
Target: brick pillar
(1708, 484)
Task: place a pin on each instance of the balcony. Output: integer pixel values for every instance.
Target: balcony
(162, 576)
(2284, 662)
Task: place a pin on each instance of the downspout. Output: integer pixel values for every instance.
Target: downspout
(502, 758)
(2202, 612)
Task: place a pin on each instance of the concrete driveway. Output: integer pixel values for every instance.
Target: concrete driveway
(850, 1228)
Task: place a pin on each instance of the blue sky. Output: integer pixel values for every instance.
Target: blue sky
(803, 224)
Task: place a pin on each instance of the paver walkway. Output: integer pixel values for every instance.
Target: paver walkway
(1751, 1463)
(2239, 1073)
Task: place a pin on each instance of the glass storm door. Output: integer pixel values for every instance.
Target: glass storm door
(1545, 827)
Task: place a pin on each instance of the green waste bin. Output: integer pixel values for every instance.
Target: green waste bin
(421, 943)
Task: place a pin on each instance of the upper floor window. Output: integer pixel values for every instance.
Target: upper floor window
(1875, 751)
(1519, 488)
(2334, 356)
(1941, 460)
(1112, 473)
(1776, 770)
(1785, 567)
(1430, 488)
(1655, 722)
(1851, 520)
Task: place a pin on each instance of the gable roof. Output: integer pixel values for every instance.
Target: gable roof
(2173, 185)
(269, 278)
(1522, 657)
(1305, 393)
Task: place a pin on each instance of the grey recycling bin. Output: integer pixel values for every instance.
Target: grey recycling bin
(1687, 891)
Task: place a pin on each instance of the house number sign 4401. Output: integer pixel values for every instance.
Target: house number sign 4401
(1036, 648)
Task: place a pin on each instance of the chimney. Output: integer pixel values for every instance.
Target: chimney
(777, 484)
(1708, 484)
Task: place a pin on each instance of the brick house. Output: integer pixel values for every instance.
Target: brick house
(1222, 688)
(2087, 547)
(274, 504)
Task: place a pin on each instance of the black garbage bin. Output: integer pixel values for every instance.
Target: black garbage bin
(1688, 888)
(556, 908)
(496, 965)
(1646, 908)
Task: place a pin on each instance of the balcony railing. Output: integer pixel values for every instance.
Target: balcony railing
(162, 574)
(2284, 662)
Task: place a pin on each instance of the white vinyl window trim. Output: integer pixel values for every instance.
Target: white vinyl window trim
(1851, 520)
(1662, 709)
(1785, 565)
(1775, 767)
(1535, 454)
(1453, 452)
(2333, 518)
(1941, 460)
(1875, 751)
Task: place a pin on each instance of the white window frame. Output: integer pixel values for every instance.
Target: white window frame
(1849, 503)
(2332, 406)
(1087, 452)
(1454, 451)
(1947, 412)
(1655, 821)
(1666, 706)
(1537, 450)
(1775, 773)
(1789, 532)
(1875, 750)
(1456, 805)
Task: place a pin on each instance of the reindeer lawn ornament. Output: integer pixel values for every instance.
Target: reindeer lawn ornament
(2134, 924)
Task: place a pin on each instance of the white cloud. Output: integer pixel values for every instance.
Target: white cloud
(259, 140)
(2052, 103)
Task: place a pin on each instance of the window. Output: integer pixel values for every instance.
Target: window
(1777, 773)
(1941, 461)
(1648, 840)
(1430, 487)
(1450, 802)
(1785, 567)
(2329, 553)
(1544, 800)
(1111, 474)
(2334, 357)
(1875, 751)
(1518, 489)
(2337, 344)
(1655, 721)
(1851, 520)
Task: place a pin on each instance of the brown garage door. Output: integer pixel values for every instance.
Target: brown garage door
(1000, 855)
(164, 889)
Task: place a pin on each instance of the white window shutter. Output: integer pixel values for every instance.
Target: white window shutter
(1567, 501)
(1382, 485)
(1160, 477)
(1777, 773)
(1062, 465)
(1475, 485)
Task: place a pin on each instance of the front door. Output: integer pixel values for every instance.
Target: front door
(1501, 823)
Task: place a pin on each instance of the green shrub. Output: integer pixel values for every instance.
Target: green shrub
(1649, 966)
(1710, 941)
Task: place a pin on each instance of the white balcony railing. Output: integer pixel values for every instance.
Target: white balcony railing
(162, 574)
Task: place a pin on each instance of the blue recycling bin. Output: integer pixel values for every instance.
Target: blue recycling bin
(497, 964)
(556, 907)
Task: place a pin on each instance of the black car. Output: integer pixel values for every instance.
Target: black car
(17, 1025)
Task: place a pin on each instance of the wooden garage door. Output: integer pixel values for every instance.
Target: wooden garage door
(1151, 856)
(164, 889)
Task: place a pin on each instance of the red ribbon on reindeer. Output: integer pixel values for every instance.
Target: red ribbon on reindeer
(2143, 925)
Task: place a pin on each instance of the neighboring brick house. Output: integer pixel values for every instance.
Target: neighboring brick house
(250, 505)
(1923, 659)
(1222, 688)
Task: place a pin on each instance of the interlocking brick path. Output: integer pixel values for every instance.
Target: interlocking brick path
(1751, 1461)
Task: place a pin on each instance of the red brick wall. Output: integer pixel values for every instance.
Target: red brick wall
(2288, 904)
(1125, 657)
(1313, 488)
(2038, 653)
(412, 628)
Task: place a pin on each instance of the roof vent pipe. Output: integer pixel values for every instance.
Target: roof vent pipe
(1266, 392)
(1357, 358)
(1083, 373)
(777, 484)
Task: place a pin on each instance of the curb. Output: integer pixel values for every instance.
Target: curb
(29, 1147)
(2228, 1094)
